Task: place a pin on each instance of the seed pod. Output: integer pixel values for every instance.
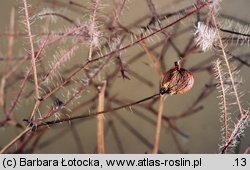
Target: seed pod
(176, 81)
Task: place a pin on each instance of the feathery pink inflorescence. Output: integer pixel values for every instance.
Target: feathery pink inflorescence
(205, 36)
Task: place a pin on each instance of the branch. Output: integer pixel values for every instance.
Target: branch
(32, 51)
(158, 125)
(100, 124)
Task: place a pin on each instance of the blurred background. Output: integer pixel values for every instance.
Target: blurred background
(187, 127)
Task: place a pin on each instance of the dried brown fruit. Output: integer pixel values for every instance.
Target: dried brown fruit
(176, 81)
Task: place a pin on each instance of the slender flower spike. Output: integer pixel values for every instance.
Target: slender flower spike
(205, 36)
(176, 81)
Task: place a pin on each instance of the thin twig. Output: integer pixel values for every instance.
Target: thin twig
(96, 113)
(228, 65)
(239, 127)
(225, 113)
(158, 125)
(24, 80)
(100, 120)
(32, 52)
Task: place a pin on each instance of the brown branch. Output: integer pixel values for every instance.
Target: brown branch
(27, 19)
(224, 55)
(158, 125)
(100, 120)
(225, 112)
(237, 132)
(85, 116)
